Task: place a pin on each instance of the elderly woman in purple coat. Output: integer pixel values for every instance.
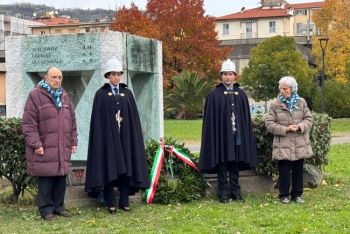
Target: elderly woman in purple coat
(50, 131)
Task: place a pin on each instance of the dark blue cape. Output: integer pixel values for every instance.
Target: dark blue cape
(218, 141)
(113, 155)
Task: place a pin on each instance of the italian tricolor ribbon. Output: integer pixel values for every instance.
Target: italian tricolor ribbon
(157, 167)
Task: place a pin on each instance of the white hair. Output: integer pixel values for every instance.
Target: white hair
(290, 81)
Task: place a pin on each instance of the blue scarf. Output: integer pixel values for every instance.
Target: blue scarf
(56, 95)
(291, 102)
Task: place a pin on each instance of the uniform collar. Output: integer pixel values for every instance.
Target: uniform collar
(112, 86)
(222, 85)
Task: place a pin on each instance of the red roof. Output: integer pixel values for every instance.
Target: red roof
(256, 13)
(307, 5)
(58, 21)
(270, 12)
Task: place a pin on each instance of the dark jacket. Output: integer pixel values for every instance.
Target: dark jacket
(289, 145)
(53, 129)
(219, 143)
(114, 153)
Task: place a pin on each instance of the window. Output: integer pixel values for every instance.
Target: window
(226, 29)
(302, 29)
(42, 32)
(300, 12)
(272, 26)
(249, 29)
(58, 31)
(71, 30)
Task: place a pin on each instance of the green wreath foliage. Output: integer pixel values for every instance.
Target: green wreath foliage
(185, 185)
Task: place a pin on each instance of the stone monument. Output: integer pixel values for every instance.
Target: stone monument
(81, 58)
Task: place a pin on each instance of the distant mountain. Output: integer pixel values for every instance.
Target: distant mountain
(31, 11)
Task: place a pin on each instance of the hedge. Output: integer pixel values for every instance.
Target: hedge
(12, 157)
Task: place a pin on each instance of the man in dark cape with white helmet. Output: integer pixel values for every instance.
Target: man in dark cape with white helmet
(228, 143)
(116, 153)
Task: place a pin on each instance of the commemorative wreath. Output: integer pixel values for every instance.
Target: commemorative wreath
(173, 173)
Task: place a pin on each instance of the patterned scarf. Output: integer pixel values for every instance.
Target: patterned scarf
(291, 102)
(56, 95)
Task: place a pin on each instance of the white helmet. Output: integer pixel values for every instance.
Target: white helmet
(113, 65)
(228, 66)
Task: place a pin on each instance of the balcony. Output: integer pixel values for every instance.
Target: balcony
(300, 40)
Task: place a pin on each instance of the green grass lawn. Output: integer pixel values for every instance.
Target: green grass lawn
(327, 210)
(340, 125)
(191, 130)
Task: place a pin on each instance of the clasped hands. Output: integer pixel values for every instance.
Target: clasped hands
(293, 128)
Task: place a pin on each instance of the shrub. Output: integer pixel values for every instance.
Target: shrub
(12, 157)
(320, 137)
(187, 184)
(264, 147)
(337, 106)
(185, 100)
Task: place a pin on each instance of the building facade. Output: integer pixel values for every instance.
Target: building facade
(243, 30)
(64, 25)
(9, 26)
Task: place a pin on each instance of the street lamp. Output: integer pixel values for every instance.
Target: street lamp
(323, 43)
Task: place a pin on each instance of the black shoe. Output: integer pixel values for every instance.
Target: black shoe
(223, 199)
(238, 198)
(49, 217)
(125, 208)
(112, 210)
(62, 213)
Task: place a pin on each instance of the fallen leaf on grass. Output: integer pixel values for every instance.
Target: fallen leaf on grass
(91, 221)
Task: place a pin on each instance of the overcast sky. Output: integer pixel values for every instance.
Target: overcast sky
(212, 7)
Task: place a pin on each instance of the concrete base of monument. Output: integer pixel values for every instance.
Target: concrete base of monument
(248, 180)
(76, 197)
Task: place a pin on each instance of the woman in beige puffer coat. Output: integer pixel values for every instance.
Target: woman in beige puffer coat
(289, 120)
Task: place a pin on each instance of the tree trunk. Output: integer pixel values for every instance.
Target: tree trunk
(16, 191)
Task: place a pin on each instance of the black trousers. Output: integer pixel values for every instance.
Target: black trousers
(124, 191)
(51, 194)
(233, 169)
(284, 169)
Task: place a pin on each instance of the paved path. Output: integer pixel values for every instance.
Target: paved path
(194, 146)
(341, 139)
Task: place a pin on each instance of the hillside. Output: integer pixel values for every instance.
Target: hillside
(30, 11)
